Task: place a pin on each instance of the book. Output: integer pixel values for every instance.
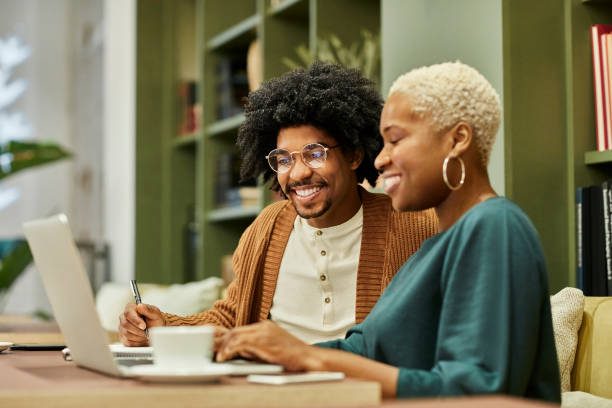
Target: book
(597, 31)
(606, 87)
(189, 116)
(232, 85)
(609, 243)
(607, 45)
(230, 191)
(579, 240)
(224, 179)
(225, 103)
(597, 247)
(605, 192)
(583, 240)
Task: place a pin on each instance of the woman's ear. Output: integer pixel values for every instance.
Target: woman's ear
(462, 138)
(357, 158)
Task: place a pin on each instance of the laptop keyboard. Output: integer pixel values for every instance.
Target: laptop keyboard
(131, 361)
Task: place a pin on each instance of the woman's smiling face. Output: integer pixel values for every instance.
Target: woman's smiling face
(411, 159)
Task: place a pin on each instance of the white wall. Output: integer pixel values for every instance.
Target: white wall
(119, 134)
(47, 103)
(81, 95)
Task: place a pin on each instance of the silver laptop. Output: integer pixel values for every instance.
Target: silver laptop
(67, 286)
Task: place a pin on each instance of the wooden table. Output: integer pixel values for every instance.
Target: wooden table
(43, 378)
(23, 329)
(26, 330)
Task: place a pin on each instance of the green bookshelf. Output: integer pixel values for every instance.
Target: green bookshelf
(177, 176)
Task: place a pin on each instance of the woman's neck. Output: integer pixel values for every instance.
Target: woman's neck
(475, 190)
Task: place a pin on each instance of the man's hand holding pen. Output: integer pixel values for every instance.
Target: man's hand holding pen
(133, 322)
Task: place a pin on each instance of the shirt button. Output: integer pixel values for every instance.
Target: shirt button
(319, 232)
(323, 253)
(327, 300)
(323, 277)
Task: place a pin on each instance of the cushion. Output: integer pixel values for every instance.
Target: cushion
(110, 301)
(592, 371)
(566, 307)
(185, 299)
(579, 399)
(181, 299)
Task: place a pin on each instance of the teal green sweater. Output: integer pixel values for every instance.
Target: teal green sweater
(469, 313)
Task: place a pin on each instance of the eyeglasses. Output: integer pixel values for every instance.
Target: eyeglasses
(313, 155)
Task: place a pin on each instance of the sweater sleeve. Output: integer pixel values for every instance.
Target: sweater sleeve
(494, 288)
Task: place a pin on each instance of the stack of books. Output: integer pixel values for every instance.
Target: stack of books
(601, 41)
(593, 239)
(229, 191)
(232, 86)
(189, 110)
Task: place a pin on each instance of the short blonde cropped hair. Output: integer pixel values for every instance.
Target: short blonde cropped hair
(452, 92)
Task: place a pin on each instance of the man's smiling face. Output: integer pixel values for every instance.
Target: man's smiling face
(318, 194)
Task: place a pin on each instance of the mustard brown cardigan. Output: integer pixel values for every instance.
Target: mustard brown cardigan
(388, 239)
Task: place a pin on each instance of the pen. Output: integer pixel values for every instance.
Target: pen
(137, 298)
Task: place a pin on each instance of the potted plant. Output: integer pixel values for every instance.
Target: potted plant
(363, 55)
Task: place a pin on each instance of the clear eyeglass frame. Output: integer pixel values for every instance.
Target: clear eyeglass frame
(313, 155)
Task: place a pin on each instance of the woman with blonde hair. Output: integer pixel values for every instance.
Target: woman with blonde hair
(469, 313)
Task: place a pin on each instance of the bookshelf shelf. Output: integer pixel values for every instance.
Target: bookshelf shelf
(290, 9)
(186, 141)
(233, 213)
(225, 125)
(236, 36)
(596, 157)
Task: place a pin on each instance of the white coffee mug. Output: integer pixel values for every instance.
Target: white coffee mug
(182, 347)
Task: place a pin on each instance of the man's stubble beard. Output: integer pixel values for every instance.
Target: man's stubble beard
(326, 206)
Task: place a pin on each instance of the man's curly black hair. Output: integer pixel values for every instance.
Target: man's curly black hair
(336, 100)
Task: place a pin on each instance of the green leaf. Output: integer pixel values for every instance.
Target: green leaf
(363, 55)
(42, 315)
(18, 156)
(289, 63)
(305, 55)
(12, 264)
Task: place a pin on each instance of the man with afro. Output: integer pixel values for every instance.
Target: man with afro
(316, 262)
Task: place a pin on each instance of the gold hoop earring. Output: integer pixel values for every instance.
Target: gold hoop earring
(445, 177)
